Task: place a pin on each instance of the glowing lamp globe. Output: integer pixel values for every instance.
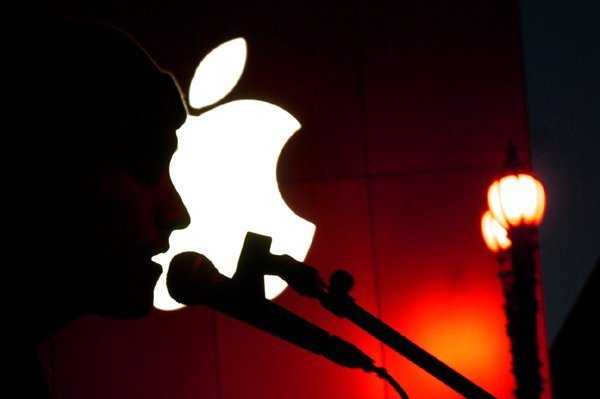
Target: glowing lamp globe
(517, 200)
(494, 235)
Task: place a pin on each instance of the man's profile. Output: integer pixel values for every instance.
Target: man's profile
(89, 125)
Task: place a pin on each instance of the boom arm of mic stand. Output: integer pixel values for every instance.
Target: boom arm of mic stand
(341, 304)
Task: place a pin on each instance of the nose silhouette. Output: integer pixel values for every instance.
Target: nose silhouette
(173, 214)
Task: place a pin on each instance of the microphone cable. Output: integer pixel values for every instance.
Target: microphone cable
(383, 374)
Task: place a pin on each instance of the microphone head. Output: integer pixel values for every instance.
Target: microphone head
(192, 279)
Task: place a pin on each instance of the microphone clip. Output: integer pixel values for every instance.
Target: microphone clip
(256, 261)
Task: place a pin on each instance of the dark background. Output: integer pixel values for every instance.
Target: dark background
(561, 44)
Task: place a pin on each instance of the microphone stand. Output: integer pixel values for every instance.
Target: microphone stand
(306, 281)
(248, 281)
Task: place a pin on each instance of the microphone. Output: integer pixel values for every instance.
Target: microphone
(192, 279)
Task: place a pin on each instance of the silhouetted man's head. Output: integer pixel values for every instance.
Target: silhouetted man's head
(92, 131)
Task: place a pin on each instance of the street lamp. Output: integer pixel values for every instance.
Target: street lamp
(516, 203)
(494, 234)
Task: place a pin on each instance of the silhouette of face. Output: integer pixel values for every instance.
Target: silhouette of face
(108, 225)
(138, 208)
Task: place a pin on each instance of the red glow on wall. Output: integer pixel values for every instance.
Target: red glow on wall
(459, 329)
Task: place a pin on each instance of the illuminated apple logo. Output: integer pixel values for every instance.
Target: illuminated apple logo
(225, 172)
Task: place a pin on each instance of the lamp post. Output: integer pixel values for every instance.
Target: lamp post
(516, 206)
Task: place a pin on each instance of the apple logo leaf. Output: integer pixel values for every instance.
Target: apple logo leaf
(218, 73)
